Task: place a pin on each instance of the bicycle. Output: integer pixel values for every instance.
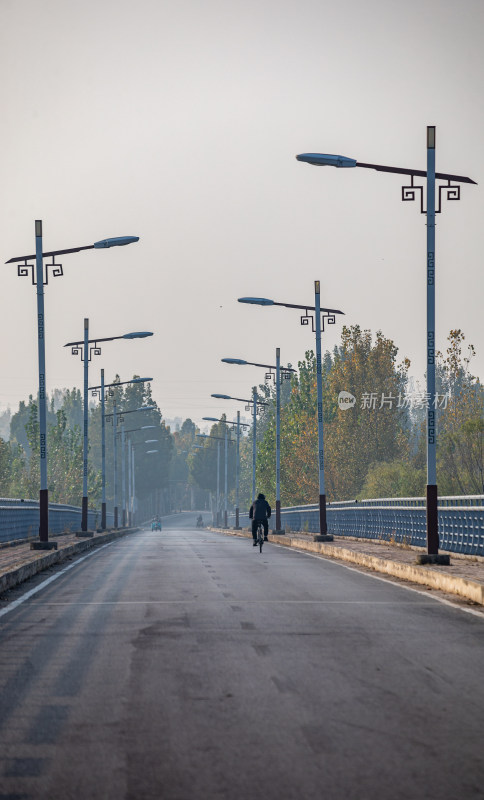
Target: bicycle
(260, 535)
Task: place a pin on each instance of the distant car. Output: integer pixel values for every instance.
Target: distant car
(156, 525)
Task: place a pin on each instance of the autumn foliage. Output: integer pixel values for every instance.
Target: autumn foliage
(374, 446)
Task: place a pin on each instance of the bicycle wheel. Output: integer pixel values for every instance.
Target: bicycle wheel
(260, 537)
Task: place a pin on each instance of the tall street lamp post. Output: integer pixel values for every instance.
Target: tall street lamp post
(38, 280)
(127, 496)
(226, 440)
(451, 190)
(87, 348)
(237, 425)
(130, 498)
(116, 421)
(219, 438)
(101, 389)
(317, 321)
(283, 373)
(133, 483)
(255, 405)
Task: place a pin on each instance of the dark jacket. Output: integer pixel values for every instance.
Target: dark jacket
(260, 509)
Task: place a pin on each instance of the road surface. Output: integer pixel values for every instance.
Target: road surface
(185, 665)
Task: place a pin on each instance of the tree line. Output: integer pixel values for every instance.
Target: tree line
(375, 445)
(374, 436)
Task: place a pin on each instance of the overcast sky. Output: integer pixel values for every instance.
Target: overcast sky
(178, 121)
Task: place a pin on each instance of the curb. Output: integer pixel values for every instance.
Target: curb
(16, 576)
(470, 590)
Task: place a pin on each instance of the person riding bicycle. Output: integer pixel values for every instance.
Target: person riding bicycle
(260, 511)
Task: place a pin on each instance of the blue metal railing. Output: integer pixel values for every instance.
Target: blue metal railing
(19, 519)
(402, 519)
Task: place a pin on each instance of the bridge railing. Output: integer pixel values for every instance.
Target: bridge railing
(402, 519)
(19, 519)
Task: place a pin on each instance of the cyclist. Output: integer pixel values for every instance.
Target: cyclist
(260, 510)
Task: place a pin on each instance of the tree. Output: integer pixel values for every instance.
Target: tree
(460, 431)
(375, 429)
(396, 479)
(151, 469)
(202, 462)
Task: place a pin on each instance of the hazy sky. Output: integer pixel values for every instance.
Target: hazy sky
(178, 121)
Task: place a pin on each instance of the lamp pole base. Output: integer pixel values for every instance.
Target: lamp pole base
(84, 514)
(432, 520)
(434, 558)
(278, 516)
(323, 535)
(50, 545)
(44, 517)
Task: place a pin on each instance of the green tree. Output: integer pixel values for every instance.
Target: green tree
(202, 462)
(396, 479)
(375, 429)
(460, 430)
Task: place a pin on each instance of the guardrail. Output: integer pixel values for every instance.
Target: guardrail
(19, 519)
(402, 519)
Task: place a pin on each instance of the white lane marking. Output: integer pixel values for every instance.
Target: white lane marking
(232, 600)
(396, 582)
(45, 583)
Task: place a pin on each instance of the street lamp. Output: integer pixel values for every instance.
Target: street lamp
(452, 192)
(204, 436)
(238, 425)
(256, 406)
(101, 389)
(226, 440)
(37, 276)
(286, 373)
(317, 319)
(114, 415)
(131, 474)
(87, 351)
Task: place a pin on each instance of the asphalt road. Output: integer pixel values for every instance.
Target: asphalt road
(185, 665)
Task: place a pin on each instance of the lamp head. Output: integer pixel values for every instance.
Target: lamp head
(137, 335)
(211, 419)
(221, 396)
(146, 408)
(145, 427)
(140, 380)
(326, 160)
(234, 361)
(256, 301)
(117, 241)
